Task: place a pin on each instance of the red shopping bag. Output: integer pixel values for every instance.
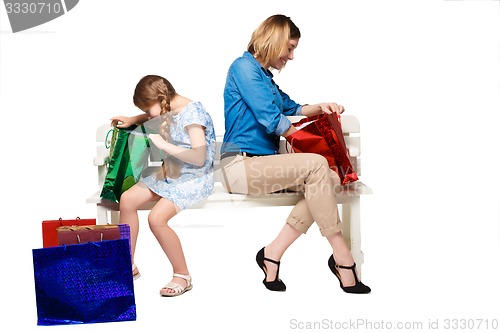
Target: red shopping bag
(49, 229)
(322, 134)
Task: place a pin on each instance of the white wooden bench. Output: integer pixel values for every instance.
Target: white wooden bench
(348, 199)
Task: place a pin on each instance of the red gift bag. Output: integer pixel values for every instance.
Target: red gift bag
(322, 134)
(49, 229)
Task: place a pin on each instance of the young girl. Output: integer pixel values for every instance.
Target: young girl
(184, 132)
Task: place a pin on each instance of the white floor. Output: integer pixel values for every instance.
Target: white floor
(414, 282)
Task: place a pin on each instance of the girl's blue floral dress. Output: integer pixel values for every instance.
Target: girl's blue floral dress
(194, 183)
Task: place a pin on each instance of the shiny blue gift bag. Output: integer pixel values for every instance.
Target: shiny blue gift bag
(84, 283)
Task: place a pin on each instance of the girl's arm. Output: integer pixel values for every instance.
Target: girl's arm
(195, 155)
(124, 122)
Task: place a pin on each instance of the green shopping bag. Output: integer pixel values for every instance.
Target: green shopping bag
(128, 156)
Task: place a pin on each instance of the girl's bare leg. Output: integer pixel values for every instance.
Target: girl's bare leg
(130, 202)
(158, 219)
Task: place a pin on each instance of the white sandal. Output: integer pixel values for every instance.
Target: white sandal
(136, 275)
(177, 288)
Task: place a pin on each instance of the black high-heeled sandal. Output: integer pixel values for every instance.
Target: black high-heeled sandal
(277, 284)
(358, 288)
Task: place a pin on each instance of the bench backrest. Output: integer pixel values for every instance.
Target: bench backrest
(350, 128)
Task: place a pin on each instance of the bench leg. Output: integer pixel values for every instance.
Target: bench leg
(102, 215)
(115, 217)
(351, 219)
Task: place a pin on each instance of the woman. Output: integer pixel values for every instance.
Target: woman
(184, 131)
(255, 111)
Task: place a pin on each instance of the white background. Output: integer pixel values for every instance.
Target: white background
(421, 76)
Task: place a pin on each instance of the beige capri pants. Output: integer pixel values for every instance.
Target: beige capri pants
(308, 173)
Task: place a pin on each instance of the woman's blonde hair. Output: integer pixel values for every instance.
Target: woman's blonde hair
(152, 89)
(271, 38)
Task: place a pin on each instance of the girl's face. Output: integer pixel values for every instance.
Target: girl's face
(280, 63)
(154, 110)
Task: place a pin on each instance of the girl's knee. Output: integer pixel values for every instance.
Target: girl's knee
(156, 220)
(127, 202)
(125, 197)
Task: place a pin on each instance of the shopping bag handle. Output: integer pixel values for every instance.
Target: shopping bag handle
(60, 219)
(106, 139)
(291, 146)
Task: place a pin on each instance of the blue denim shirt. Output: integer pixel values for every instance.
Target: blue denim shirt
(255, 109)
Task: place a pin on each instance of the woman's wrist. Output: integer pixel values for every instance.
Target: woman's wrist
(311, 110)
(289, 131)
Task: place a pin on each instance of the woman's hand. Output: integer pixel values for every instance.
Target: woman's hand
(329, 108)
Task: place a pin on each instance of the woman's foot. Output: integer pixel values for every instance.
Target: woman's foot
(179, 285)
(271, 268)
(348, 278)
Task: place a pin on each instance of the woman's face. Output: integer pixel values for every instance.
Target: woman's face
(287, 54)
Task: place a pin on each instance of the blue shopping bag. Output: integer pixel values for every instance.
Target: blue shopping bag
(84, 283)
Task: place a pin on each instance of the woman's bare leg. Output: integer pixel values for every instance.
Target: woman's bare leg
(277, 248)
(342, 256)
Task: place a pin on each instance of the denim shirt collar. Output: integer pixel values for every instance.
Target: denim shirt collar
(266, 71)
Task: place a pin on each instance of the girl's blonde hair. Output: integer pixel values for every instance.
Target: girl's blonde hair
(271, 38)
(150, 90)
